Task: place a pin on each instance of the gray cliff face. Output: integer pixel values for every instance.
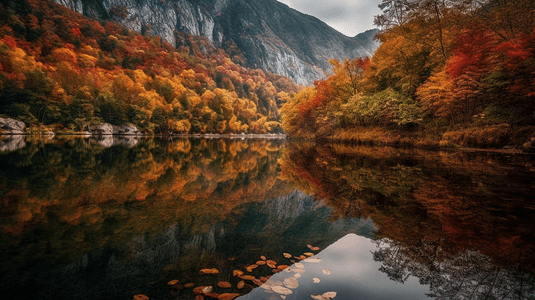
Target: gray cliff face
(271, 35)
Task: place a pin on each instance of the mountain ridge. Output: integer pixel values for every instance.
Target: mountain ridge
(271, 35)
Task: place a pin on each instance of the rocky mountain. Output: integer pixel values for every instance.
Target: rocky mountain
(271, 35)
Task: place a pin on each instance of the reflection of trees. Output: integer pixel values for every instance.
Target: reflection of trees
(468, 275)
(445, 213)
(76, 191)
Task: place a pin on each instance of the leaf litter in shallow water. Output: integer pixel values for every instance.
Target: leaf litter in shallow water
(291, 282)
(173, 282)
(263, 257)
(237, 273)
(240, 284)
(315, 280)
(189, 285)
(313, 248)
(228, 296)
(308, 254)
(141, 297)
(326, 272)
(312, 260)
(299, 265)
(281, 290)
(224, 284)
(247, 277)
(287, 255)
(325, 296)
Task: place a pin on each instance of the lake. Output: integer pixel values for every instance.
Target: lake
(125, 218)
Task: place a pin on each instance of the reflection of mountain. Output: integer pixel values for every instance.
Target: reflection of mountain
(111, 273)
(447, 216)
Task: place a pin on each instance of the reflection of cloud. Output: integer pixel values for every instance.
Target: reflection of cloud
(346, 268)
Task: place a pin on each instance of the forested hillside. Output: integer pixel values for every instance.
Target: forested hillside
(460, 72)
(61, 71)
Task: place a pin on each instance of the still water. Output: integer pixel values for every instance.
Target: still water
(120, 218)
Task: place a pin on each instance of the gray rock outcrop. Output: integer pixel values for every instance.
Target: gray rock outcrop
(127, 129)
(272, 36)
(101, 129)
(11, 126)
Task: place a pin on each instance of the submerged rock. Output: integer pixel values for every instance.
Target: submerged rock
(11, 126)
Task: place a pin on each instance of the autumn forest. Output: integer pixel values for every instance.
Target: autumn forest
(455, 72)
(62, 72)
(446, 73)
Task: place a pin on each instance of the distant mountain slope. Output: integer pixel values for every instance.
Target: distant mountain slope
(272, 36)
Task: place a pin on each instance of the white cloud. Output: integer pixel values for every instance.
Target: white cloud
(350, 17)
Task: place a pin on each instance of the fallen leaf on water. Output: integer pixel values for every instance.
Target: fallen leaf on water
(214, 271)
(271, 266)
(237, 273)
(276, 270)
(281, 290)
(173, 282)
(213, 295)
(203, 289)
(263, 257)
(308, 254)
(326, 272)
(272, 262)
(291, 282)
(287, 255)
(206, 271)
(297, 270)
(247, 277)
(240, 284)
(253, 266)
(260, 262)
(316, 280)
(299, 265)
(257, 282)
(312, 259)
(228, 296)
(329, 295)
(264, 279)
(189, 285)
(224, 284)
(313, 248)
(141, 297)
(282, 267)
(297, 275)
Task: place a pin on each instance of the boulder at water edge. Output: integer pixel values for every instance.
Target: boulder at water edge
(11, 126)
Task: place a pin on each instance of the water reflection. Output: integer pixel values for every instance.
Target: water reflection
(90, 219)
(460, 222)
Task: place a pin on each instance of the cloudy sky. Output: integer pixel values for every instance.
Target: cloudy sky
(350, 17)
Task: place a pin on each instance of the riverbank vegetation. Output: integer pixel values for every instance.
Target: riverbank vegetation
(60, 71)
(447, 73)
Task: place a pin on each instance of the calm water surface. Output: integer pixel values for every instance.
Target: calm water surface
(114, 218)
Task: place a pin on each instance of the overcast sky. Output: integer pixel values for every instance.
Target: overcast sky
(350, 17)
